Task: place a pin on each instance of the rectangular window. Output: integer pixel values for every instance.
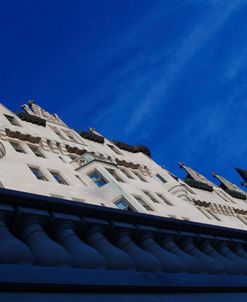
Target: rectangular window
(127, 173)
(73, 157)
(36, 151)
(62, 159)
(160, 178)
(151, 197)
(115, 149)
(164, 199)
(70, 135)
(58, 133)
(78, 199)
(17, 146)
(208, 213)
(143, 203)
(115, 175)
(78, 177)
(12, 120)
(97, 178)
(186, 218)
(122, 204)
(58, 177)
(38, 174)
(242, 219)
(139, 176)
(57, 196)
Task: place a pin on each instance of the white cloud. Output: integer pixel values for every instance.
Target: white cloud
(158, 94)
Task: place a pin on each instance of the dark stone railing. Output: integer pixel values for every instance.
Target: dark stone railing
(198, 184)
(235, 194)
(31, 118)
(57, 243)
(133, 149)
(92, 136)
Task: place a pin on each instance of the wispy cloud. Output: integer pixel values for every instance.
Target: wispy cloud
(236, 64)
(220, 129)
(192, 42)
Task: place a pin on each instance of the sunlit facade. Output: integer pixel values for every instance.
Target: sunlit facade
(40, 154)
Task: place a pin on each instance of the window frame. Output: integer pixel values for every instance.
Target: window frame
(114, 149)
(162, 197)
(97, 181)
(139, 176)
(150, 196)
(41, 154)
(128, 207)
(126, 173)
(43, 178)
(12, 120)
(12, 143)
(143, 203)
(160, 178)
(61, 180)
(114, 174)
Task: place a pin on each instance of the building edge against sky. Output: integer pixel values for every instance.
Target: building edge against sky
(40, 154)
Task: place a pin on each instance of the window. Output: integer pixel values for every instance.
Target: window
(57, 196)
(17, 147)
(115, 149)
(37, 173)
(164, 199)
(122, 204)
(139, 176)
(73, 157)
(160, 178)
(151, 197)
(127, 173)
(62, 159)
(115, 175)
(208, 213)
(78, 177)
(186, 218)
(58, 177)
(143, 203)
(78, 199)
(58, 133)
(242, 219)
(36, 151)
(70, 135)
(97, 178)
(12, 120)
(188, 188)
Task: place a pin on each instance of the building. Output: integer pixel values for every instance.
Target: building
(83, 216)
(42, 155)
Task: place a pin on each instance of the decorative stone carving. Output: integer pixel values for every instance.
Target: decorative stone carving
(2, 150)
(34, 109)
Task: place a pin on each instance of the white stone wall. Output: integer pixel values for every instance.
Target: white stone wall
(15, 174)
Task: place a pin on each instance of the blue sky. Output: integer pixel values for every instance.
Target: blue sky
(168, 74)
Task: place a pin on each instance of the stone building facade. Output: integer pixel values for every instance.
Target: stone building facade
(40, 154)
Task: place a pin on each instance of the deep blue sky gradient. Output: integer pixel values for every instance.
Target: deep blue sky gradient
(168, 74)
